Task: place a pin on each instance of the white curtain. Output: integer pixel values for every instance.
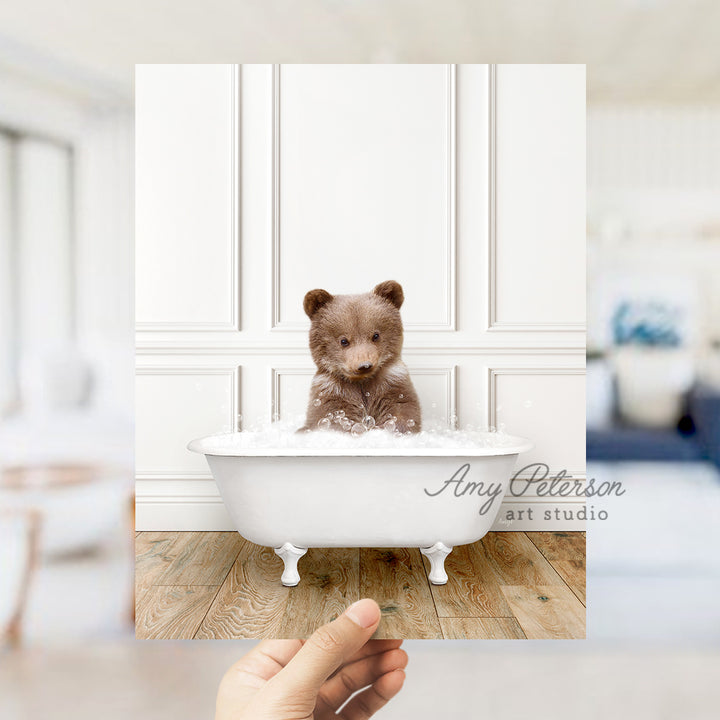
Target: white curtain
(7, 317)
(37, 269)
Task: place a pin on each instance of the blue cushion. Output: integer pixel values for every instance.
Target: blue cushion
(626, 443)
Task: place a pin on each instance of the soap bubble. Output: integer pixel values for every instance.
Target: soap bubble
(369, 422)
(358, 429)
(411, 423)
(401, 396)
(317, 402)
(367, 393)
(390, 424)
(340, 413)
(324, 423)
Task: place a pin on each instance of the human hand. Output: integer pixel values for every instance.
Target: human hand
(312, 679)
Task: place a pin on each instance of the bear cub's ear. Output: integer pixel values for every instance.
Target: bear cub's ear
(392, 291)
(314, 300)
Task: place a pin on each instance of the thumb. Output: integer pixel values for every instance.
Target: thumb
(327, 649)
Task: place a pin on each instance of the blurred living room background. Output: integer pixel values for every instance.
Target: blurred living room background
(66, 321)
(66, 339)
(653, 367)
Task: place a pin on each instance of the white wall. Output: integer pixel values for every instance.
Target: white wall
(256, 183)
(104, 255)
(654, 216)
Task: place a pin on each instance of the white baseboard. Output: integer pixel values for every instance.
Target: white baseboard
(181, 514)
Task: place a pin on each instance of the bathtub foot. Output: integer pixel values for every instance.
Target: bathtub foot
(437, 554)
(290, 556)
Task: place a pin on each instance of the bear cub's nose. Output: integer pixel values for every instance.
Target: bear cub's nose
(364, 368)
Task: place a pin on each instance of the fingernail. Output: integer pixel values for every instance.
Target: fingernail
(364, 613)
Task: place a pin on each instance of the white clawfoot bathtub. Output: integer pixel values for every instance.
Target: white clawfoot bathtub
(292, 499)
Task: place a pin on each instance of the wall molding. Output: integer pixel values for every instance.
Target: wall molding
(233, 373)
(181, 513)
(259, 348)
(234, 231)
(276, 374)
(493, 324)
(178, 499)
(494, 372)
(491, 384)
(450, 237)
(536, 327)
(214, 497)
(275, 320)
(450, 375)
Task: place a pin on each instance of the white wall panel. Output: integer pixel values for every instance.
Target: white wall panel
(364, 165)
(290, 387)
(546, 405)
(186, 197)
(175, 405)
(537, 243)
(435, 387)
(351, 175)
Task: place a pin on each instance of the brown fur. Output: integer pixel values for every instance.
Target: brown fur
(365, 377)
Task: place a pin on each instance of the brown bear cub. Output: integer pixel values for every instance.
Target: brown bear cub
(361, 380)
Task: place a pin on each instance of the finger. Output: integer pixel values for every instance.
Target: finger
(365, 704)
(264, 661)
(327, 649)
(279, 651)
(374, 647)
(358, 675)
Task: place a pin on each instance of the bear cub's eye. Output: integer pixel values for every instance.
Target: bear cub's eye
(376, 336)
(344, 342)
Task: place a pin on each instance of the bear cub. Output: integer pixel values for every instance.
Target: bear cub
(361, 380)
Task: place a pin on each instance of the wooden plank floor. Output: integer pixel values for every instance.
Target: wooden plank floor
(509, 585)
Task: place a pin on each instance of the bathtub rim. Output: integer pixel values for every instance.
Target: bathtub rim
(209, 446)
